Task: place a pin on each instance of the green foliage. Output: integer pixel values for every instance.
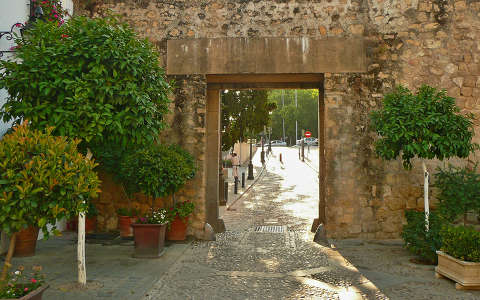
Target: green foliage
(42, 178)
(182, 209)
(244, 114)
(128, 212)
(459, 191)
(426, 125)
(461, 242)
(157, 170)
(93, 79)
(155, 216)
(306, 113)
(91, 210)
(417, 240)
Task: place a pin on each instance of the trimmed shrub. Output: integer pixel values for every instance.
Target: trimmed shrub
(417, 240)
(461, 242)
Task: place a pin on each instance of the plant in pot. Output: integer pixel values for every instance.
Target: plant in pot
(156, 171)
(126, 217)
(91, 218)
(426, 125)
(149, 233)
(177, 229)
(43, 178)
(459, 258)
(23, 285)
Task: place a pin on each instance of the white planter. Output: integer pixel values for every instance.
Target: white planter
(466, 274)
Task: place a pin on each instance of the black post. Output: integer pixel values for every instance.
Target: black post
(243, 179)
(225, 191)
(235, 187)
(262, 155)
(250, 165)
(303, 150)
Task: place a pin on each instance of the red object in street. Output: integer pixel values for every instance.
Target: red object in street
(308, 134)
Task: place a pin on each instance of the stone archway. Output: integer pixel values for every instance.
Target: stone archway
(261, 63)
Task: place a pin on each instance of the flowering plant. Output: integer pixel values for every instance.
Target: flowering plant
(52, 10)
(182, 209)
(155, 216)
(19, 283)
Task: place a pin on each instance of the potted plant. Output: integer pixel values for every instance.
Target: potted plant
(19, 285)
(42, 178)
(156, 171)
(126, 217)
(459, 258)
(149, 233)
(91, 220)
(177, 229)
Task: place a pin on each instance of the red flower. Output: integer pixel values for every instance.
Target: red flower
(34, 280)
(26, 289)
(65, 36)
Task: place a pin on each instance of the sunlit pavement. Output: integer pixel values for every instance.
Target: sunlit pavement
(266, 252)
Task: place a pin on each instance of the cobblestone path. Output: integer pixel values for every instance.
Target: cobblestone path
(266, 252)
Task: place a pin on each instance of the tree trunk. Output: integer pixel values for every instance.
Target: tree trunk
(426, 177)
(7, 264)
(82, 272)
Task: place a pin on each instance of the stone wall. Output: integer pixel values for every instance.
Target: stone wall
(409, 42)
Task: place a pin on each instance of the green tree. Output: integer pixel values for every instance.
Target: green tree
(426, 125)
(305, 113)
(244, 114)
(92, 79)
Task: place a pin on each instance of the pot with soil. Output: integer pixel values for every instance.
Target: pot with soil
(126, 217)
(179, 214)
(26, 242)
(149, 234)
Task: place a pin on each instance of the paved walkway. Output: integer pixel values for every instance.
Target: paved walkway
(281, 263)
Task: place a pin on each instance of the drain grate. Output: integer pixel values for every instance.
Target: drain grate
(270, 229)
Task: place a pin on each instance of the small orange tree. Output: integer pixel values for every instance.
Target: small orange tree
(42, 178)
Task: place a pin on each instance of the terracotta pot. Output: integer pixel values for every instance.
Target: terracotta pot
(178, 229)
(33, 295)
(72, 225)
(26, 242)
(149, 240)
(90, 224)
(124, 223)
(466, 274)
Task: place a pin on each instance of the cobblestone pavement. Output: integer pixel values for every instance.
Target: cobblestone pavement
(245, 263)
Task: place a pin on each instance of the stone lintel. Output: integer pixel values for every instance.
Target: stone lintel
(265, 56)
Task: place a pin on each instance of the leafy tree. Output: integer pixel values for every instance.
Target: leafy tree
(92, 79)
(426, 125)
(244, 114)
(305, 113)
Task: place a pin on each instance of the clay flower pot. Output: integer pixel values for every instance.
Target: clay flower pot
(90, 224)
(178, 229)
(124, 224)
(149, 240)
(26, 242)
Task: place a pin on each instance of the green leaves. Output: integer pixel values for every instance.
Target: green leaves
(84, 78)
(43, 178)
(425, 125)
(462, 242)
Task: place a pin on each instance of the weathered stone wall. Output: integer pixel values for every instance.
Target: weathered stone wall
(408, 41)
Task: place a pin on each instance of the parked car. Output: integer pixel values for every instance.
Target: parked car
(310, 141)
(278, 143)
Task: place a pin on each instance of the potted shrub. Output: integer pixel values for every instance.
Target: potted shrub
(126, 217)
(19, 285)
(459, 258)
(149, 233)
(177, 229)
(42, 178)
(91, 220)
(156, 171)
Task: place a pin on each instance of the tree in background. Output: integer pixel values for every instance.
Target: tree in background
(306, 113)
(244, 114)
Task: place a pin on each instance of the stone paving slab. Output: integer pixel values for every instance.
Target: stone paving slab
(245, 264)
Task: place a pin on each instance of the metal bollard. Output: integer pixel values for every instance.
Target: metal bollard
(235, 187)
(281, 157)
(225, 192)
(243, 180)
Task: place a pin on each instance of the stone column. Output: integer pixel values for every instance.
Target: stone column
(212, 160)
